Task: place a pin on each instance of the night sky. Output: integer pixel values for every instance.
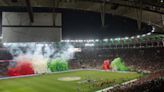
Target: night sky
(87, 25)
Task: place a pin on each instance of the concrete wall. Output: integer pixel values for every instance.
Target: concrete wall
(16, 27)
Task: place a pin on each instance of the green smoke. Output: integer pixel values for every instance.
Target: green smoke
(58, 65)
(118, 64)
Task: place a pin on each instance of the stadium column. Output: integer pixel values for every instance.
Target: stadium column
(55, 5)
(30, 12)
(162, 20)
(139, 15)
(103, 13)
(0, 23)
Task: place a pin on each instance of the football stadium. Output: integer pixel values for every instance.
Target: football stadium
(81, 46)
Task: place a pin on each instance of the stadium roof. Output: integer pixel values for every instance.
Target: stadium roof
(148, 11)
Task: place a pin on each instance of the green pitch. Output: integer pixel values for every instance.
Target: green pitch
(90, 81)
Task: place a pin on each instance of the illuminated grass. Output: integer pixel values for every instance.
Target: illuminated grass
(50, 82)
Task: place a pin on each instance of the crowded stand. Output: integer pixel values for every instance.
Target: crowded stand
(149, 59)
(150, 83)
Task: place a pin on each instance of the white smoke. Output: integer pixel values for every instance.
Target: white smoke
(40, 53)
(51, 50)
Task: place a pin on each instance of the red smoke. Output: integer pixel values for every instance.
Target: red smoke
(22, 68)
(106, 65)
(13, 72)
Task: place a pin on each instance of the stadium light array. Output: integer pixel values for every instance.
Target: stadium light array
(105, 40)
(90, 40)
(126, 38)
(89, 45)
(132, 37)
(80, 40)
(148, 33)
(97, 40)
(111, 39)
(138, 36)
(84, 40)
(67, 40)
(117, 39)
(143, 35)
(72, 41)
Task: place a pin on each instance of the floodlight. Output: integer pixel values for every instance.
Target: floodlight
(126, 38)
(117, 39)
(105, 40)
(132, 37)
(97, 40)
(143, 35)
(149, 33)
(80, 40)
(89, 45)
(111, 39)
(138, 36)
